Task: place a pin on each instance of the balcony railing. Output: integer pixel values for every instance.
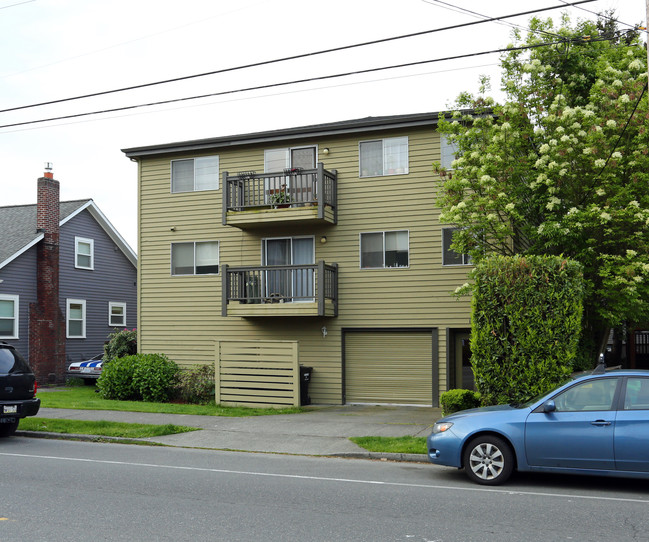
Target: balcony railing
(291, 188)
(288, 290)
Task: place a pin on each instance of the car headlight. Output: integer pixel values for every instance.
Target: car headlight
(441, 427)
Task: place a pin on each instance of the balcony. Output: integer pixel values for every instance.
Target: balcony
(254, 200)
(284, 290)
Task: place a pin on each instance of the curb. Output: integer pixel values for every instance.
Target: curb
(377, 456)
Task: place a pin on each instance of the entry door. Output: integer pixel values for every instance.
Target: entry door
(289, 284)
(299, 187)
(579, 434)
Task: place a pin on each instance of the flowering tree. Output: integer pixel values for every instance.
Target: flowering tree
(562, 166)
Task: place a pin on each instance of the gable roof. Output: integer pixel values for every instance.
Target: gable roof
(366, 124)
(18, 228)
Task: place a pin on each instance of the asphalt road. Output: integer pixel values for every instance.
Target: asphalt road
(62, 490)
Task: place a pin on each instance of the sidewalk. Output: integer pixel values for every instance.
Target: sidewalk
(322, 430)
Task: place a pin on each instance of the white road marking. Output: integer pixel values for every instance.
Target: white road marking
(328, 479)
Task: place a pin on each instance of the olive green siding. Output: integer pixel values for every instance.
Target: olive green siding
(181, 316)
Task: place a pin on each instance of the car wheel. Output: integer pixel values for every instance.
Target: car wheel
(89, 381)
(8, 429)
(488, 460)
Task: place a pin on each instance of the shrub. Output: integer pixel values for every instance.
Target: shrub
(195, 385)
(121, 343)
(116, 379)
(142, 377)
(456, 400)
(525, 325)
(154, 377)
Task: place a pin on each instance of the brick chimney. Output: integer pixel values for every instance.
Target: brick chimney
(46, 322)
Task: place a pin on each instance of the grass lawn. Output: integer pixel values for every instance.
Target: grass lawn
(85, 398)
(102, 428)
(392, 445)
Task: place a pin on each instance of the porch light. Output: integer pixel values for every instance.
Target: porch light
(324, 331)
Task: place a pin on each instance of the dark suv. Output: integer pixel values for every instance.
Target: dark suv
(17, 390)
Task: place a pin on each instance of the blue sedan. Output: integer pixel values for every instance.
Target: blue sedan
(596, 424)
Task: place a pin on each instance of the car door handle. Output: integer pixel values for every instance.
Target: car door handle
(600, 422)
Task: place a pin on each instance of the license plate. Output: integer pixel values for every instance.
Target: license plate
(86, 370)
(10, 409)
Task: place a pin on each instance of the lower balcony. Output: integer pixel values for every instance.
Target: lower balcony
(284, 290)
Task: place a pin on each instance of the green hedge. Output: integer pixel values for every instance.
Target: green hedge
(456, 400)
(142, 377)
(525, 325)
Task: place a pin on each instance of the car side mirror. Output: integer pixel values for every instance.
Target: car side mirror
(549, 406)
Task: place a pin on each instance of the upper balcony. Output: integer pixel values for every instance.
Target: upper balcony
(280, 290)
(253, 200)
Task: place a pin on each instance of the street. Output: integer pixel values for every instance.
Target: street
(64, 490)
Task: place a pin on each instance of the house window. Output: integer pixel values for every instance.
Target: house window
(384, 157)
(449, 256)
(84, 253)
(116, 314)
(448, 151)
(384, 249)
(195, 174)
(75, 317)
(9, 317)
(200, 258)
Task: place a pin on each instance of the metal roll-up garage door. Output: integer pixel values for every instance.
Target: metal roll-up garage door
(389, 367)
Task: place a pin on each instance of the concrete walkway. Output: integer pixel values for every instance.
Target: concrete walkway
(322, 430)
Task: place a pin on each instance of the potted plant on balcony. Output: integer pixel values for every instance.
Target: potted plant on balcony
(280, 199)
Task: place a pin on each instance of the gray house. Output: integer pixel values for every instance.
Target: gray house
(67, 280)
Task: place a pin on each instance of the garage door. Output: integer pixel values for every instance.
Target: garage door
(389, 367)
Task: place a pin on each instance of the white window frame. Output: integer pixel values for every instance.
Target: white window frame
(111, 306)
(385, 169)
(194, 273)
(16, 316)
(68, 304)
(466, 259)
(360, 249)
(194, 161)
(77, 253)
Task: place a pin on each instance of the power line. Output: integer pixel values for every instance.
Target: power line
(285, 59)
(294, 82)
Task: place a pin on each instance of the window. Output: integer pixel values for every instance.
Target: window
(637, 394)
(84, 253)
(447, 151)
(384, 157)
(75, 317)
(9, 316)
(449, 256)
(384, 249)
(195, 174)
(116, 314)
(592, 395)
(200, 258)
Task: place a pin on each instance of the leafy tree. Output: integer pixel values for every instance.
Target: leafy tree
(121, 343)
(561, 167)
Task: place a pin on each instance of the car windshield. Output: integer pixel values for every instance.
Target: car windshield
(533, 400)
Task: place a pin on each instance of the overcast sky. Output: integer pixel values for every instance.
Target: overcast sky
(58, 49)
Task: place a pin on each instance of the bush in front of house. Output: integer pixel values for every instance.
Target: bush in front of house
(154, 377)
(195, 385)
(116, 379)
(525, 325)
(120, 343)
(456, 400)
(141, 377)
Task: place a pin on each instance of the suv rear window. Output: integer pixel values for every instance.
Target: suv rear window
(12, 362)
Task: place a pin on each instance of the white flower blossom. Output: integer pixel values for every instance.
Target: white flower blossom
(509, 207)
(624, 98)
(600, 192)
(600, 162)
(636, 64)
(631, 253)
(605, 216)
(563, 172)
(544, 148)
(611, 123)
(634, 203)
(554, 201)
(617, 155)
(565, 138)
(506, 126)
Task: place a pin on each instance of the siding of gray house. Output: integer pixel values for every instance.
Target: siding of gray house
(113, 279)
(19, 278)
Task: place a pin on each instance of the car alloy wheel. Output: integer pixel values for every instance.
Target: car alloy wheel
(488, 460)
